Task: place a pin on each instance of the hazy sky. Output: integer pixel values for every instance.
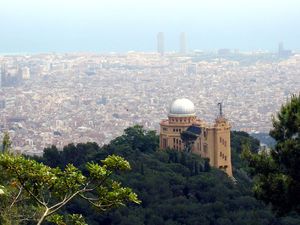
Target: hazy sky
(122, 25)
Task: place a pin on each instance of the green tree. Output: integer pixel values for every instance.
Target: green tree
(138, 139)
(6, 143)
(171, 192)
(277, 177)
(48, 189)
(52, 157)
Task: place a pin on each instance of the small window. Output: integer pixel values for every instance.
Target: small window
(205, 134)
(205, 148)
(173, 130)
(164, 143)
(225, 158)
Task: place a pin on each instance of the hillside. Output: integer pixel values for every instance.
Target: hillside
(175, 188)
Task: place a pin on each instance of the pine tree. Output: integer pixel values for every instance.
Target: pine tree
(276, 174)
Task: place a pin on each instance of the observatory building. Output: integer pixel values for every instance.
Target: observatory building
(184, 131)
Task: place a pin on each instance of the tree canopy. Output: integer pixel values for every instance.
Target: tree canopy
(46, 190)
(174, 187)
(276, 173)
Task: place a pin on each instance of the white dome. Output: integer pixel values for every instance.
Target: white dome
(182, 107)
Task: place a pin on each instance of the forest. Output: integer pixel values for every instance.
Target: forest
(174, 187)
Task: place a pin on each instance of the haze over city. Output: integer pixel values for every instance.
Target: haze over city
(103, 26)
(150, 112)
(151, 52)
(130, 59)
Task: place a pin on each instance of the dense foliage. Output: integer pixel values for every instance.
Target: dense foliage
(239, 140)
(175, 188)
(28, 184)
(277, 177)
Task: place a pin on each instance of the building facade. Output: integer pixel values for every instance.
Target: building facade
(161, 43)
(183, 45)
(213, 140)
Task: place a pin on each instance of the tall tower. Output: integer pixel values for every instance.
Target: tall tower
(280, 48)
(182, 43)
(2, 75)
(222, 154)
(160, 43)
(25, 73)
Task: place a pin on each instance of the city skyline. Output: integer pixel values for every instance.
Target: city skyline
(121, 26)
(162, 46)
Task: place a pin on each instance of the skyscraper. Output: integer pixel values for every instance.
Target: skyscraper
(280, 48)
(2, 75)
(183, 46)
(160, 43)
(283, 52)
(25, 73)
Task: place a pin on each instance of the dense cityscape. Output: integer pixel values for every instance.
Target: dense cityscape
(56, 99)
(139, 112)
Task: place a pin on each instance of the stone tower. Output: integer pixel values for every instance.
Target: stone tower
(222, 155)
